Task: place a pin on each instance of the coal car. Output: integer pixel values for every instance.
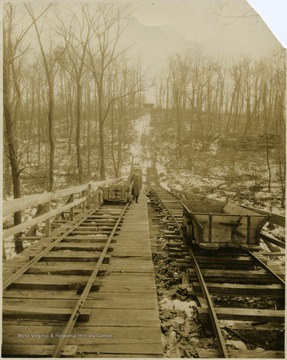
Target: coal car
(213, 224)
(119, 192)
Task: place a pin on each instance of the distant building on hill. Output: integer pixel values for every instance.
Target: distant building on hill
(148, 106)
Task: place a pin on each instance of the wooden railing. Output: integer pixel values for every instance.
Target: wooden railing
(44, 201)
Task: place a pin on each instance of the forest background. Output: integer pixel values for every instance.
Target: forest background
(72, 95)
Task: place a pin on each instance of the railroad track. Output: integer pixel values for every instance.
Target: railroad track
(47, 296)
(237, 293)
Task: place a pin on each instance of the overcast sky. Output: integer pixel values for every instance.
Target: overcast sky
(202, 20)
(223, 28)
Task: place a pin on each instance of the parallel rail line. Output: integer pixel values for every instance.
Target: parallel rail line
(102, 221)
(229, 270)
(88, 286)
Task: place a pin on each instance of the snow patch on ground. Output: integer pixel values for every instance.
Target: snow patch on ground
(168, 304)
(142, 127)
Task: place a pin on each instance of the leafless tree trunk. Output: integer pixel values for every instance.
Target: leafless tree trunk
(106, 36)
(10, 48)
(125, 88)
(179, 72)
(279, 109)
(11, 143)
(76, 50)
(49, 64)
(266, 116)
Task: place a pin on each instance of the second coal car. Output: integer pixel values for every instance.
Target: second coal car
(213, 224)
(117, 192)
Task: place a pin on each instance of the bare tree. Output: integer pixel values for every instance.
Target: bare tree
(106, 32)
(49, 61)
(11, 51)
(180, 76)
(8, 60)
(266, 116)
(76, 49)
(125, 85)
(235, 107)
(279, 118)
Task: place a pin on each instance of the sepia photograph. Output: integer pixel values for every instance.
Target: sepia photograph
(143, 179)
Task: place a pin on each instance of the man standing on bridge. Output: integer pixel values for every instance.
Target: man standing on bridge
(136, 182)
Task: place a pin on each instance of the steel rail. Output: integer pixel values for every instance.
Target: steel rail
(77, 309)
(213, 316)
(267, 268)
(158, 198)
(252, 255)
(26, 267)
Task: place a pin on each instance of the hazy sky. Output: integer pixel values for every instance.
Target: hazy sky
(223, 27)
(208, 21)
(176, 12)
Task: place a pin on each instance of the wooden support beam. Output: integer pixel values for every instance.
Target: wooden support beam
(98, 222)
(242, 354)
(210, 228)
(81, 247)
(94, 228)
(75, 256)
(48, 221)
(225, 260)
(72, 210)
(274, 291)
(270, 254)
(236, 276)
(37, 350)
(257, 315)
(248, 229)
(46, 281)
(99, 238)
(88, 196)
(24, 312)
(65, 268)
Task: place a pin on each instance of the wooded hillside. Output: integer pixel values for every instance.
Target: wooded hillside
(71, 94)
(225, 123)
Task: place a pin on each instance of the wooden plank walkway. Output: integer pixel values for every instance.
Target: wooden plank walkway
(128, 319)
(123, 313)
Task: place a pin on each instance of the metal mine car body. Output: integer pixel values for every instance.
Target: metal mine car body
(116, 193)
(214, 224)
